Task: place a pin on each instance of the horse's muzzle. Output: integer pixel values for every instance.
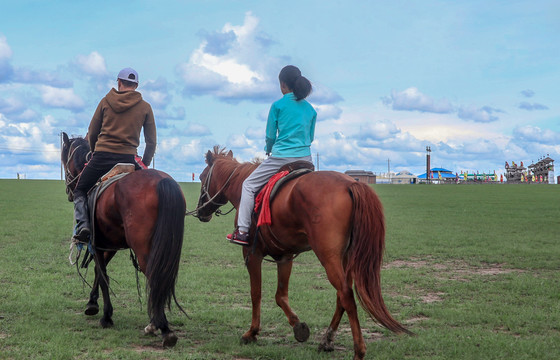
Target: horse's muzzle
(206, 218)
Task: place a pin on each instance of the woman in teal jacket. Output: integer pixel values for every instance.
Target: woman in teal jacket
(289, 132)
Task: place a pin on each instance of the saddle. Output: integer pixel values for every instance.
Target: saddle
(286, 173)
(118, 171)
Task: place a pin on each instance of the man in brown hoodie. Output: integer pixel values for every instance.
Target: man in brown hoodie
(114, 136)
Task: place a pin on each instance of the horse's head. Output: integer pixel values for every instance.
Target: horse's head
(74, 157)
(213, 183)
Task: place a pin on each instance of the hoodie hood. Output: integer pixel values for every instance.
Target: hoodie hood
(121, 101)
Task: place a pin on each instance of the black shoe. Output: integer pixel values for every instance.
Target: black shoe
(239, 237)
(83, 235)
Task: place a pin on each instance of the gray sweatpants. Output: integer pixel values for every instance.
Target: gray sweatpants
(257, 180)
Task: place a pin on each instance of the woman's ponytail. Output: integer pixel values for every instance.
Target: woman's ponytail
(300, 86)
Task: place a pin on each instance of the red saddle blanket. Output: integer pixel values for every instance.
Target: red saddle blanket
(263, 199)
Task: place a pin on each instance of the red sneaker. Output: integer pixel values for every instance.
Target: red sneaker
(239, 237)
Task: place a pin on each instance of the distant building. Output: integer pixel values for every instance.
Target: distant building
(515, 173)
(438, 176)
(366, 177)
(404, 177)
(542, 171)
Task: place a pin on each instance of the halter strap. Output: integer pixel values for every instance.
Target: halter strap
(205, 192)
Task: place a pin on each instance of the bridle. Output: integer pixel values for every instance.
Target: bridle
(211, 199)
(70, 179)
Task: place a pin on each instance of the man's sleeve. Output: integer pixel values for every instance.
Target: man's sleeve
(150, 137)
(95, 126)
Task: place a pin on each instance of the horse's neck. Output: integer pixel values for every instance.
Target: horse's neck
(237, 173)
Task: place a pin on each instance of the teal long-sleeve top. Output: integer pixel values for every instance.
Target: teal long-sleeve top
(290, 128)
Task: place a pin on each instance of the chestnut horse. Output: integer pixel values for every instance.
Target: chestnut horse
(143, 211)
(338, 218)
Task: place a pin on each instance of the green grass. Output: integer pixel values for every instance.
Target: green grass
(473, 270)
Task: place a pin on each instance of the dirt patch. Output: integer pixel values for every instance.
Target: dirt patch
(416, 319)
(455, 269)
(431, 298)
(152, 348)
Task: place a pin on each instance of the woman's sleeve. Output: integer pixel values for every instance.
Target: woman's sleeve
(312, 132)
(271, 129)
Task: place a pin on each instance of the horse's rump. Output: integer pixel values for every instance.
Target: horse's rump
(126, 207)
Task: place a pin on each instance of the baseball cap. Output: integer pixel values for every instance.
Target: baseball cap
(128, 74)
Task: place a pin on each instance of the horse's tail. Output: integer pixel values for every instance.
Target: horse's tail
(165, 252)
(365, 254)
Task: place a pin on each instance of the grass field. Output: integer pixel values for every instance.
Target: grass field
(473, 270)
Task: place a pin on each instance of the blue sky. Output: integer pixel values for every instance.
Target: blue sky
(477, 81)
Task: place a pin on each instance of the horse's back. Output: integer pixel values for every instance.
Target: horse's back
(316, 206)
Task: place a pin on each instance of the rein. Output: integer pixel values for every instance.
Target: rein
(69, 178)
(211, 201)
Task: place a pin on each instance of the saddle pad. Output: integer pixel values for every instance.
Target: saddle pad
(119, 169)
(97, 190)
(265, 196)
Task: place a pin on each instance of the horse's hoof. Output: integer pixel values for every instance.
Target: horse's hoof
(326, 347)
(106, 323)
(92, 309)
(248, 340)
(301, 331)
(169, 339)
(150, 329)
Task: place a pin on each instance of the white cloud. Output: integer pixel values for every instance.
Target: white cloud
(28, 139)
(6, 69)
(196, 129)
(483, 114)
(5, 50)
(528, 93)
(229, 68)
(256, 133)
(532, 106)
(326, 112)
(92, 64)
(60, 97)
(412, 99)
(537, 135)
(377, 130)
(231, 73)
(234, 64)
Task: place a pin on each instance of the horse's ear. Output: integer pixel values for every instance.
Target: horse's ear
(65, 138)
(230, 154)
(209, 157)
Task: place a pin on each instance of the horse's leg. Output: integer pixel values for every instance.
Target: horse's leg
(92, 307)
(254, 264)
(106, 320)
(345, 297)
(327, 342)
(301, 330)
(158, 320)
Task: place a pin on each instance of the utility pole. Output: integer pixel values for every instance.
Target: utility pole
(389, 169)
(60, 135)
(428, 175)
(317, 161)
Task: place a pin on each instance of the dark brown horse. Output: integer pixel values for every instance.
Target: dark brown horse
(340, 219)
(144, 211)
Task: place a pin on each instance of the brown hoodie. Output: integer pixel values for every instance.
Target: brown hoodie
(117, 123)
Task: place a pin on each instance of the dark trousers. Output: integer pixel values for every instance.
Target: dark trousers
(99, 164)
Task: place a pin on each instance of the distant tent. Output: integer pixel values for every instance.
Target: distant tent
(442, 174)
